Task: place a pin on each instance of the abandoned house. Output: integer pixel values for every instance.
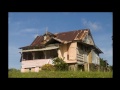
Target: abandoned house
(77, 48)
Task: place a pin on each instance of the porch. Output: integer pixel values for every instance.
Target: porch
(34, 59)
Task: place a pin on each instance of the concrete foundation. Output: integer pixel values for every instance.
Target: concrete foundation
(36, 69)
(32, 69)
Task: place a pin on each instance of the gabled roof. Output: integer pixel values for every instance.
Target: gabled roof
(72, 35)
(49, 33)
(63, 37)
(37, 41)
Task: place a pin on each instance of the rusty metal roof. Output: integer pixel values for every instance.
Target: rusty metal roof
(37, 41)
(72, 35)
(63, 36)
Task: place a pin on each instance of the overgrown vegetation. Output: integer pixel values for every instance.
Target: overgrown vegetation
(104, 66)
(48, 67)
(59, 64)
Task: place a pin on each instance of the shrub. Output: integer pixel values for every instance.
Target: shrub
(60, 64)
(48, 67)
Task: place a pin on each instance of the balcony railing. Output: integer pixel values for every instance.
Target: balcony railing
(80, 57)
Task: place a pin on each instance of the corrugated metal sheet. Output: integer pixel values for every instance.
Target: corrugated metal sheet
(65, 36)
(62, 37)
(37, 41)
(71, 35)
(42, 49)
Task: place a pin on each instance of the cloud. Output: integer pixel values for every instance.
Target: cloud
(24, 31)
(29, 30)
(92, 25)
(19, 27)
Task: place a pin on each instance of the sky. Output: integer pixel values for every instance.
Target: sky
(23, 27)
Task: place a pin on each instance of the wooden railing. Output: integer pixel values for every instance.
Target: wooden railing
(80, 57)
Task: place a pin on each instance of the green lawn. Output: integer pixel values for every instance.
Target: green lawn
(59, 74)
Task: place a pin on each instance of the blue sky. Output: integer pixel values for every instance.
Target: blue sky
(23, 27)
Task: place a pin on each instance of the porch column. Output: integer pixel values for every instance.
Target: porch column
(44, 54)
(27, 55)
(21, 58)
(76, 67)
(33, 54)
(88, 67)
(89, 60)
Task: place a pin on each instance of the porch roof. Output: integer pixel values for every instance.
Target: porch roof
(93, 46)
(42, 49)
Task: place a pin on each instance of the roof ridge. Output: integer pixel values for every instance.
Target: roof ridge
(71, 31)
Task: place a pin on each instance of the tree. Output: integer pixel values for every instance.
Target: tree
(111, 67)
(60, 64)
(103, 64)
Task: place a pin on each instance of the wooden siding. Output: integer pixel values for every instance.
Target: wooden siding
(72, 51)
(90, 57)
(88, 39)
(80, 57)
(81, 54)
(95, 58)
(62, 52)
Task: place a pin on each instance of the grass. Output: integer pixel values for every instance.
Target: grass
(59, 74)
